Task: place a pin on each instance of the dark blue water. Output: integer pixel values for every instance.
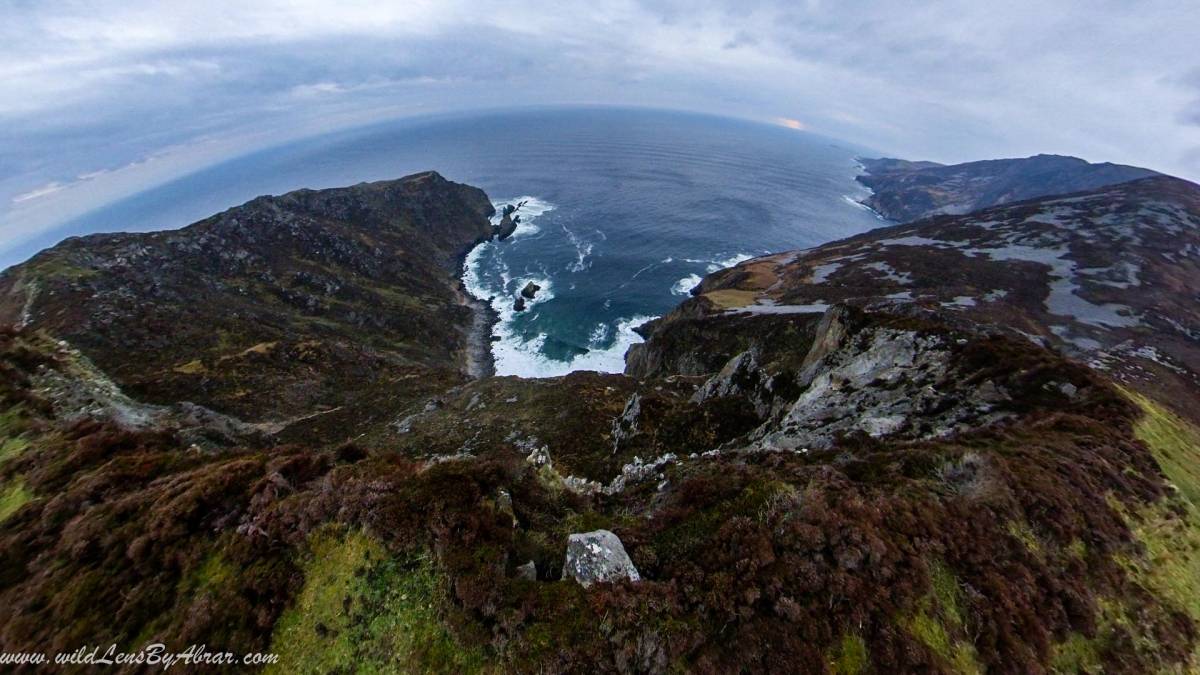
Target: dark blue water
(625, 210)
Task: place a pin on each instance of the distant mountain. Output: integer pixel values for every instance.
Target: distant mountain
(905, 191)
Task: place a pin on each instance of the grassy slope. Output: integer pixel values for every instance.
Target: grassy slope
(364, 610)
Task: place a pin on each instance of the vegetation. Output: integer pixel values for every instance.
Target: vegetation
(364, 610)
(13, 496)
(1174, 442)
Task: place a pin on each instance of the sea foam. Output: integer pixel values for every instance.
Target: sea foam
(513, 353)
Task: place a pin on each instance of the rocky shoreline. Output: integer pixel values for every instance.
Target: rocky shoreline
(479, 360)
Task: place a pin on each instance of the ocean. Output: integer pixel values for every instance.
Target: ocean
(622, 211)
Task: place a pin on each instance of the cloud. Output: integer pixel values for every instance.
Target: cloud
(91, 87)
(47, 189)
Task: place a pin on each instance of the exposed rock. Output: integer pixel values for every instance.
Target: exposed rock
(1106, 276)
(519, 304)
(638, 471)
(597, 557)
(530, 290)
(741, 376)
(880, 382)
(625, 426)
(79, 391)
(527, 571)
(540, 457)
(507, 225)
(504, 505)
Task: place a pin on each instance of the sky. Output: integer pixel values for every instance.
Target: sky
(101, 99)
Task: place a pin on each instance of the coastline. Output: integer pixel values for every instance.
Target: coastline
(479, 361)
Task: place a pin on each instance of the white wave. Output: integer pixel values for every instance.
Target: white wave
(685, 285)
(722, 263)
(599, 335)
(524, 358)
(512, 353)
(638, 273)
(528, 208)
(857, 204)
(583, 249)
(472, 281)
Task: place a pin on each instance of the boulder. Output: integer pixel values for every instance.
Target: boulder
(530, 290)
(597, 556)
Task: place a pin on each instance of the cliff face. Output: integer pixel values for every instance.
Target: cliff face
(280, 308)
(936, 447)
(1109, 277)
(906, 191)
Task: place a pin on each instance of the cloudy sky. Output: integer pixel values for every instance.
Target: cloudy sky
(103, 98)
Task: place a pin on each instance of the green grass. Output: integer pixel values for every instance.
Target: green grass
(940, 620)
(11, 447)
(13, 496)
(849, 657)
(12, 425)
(58, 267)
(1021, 531)
(1076, 654)
(1170, 566)
(213, 573)
(362, 610)
(1175, 444)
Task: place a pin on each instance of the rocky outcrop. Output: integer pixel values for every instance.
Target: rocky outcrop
(597, 557)
(79, 392)
(625, 426)
(526, 295)
(741, 377)
(508, 221)
(880, 382)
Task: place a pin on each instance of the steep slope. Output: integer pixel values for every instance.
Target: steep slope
(278, 309)
(905, 191)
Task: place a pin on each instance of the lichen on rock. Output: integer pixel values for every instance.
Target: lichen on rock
(598, 557)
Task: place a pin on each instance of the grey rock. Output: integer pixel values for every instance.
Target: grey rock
(625, 426)
(597, 556)
(741, 376)
(527, 571)
(881, 382)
